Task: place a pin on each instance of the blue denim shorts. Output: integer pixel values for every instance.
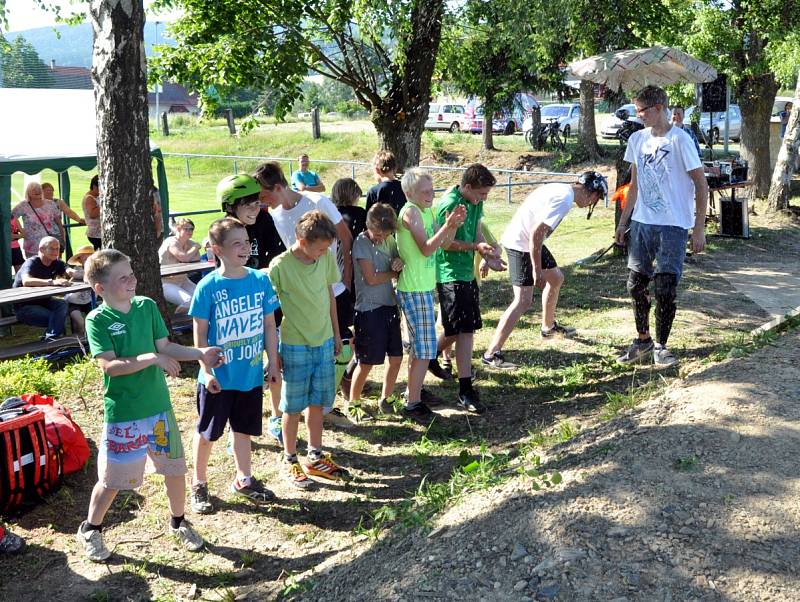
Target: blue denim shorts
(309, 377)
(663, 245)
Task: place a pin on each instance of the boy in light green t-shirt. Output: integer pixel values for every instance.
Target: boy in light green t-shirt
(130, 341)
(417, 241)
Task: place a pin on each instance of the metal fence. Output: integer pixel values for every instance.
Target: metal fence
(507, 178)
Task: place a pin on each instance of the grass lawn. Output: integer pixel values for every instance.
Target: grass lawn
(404, 472)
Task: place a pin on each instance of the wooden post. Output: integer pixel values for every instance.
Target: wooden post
(164, 123)
(231, 124)
(315, 129)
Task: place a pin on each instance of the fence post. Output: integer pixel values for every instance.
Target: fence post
(509, 188)
(164, 123)
(231, 123)
(291, 168)
(188, 173)
(235, 167)
(315, 129)
(353, 166)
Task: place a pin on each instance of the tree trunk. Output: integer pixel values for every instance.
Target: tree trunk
(588, 131)
(401, 115)
(123, 143)
(756, 94)
(487, 135)
(787, 159)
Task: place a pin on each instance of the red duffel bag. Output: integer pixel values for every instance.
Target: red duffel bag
(61, 429)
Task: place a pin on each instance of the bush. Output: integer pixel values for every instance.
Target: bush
(241, 108)
(29, 375)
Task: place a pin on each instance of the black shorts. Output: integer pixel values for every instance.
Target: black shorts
(520, 267)
(96, 242)
(378, 335)
(17, 258)
(84, 308)
(344, 313)
(459, 303)
(242, 409)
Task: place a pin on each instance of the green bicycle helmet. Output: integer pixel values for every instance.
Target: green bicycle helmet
(232, 188)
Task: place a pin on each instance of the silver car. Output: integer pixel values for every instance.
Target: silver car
(568, 117)
(716, 127)
(611, 127)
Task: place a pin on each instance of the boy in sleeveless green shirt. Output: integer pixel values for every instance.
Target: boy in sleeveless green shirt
(417, 242)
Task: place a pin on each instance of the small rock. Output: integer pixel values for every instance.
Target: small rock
(618, 531)
(518, 552)
(570, 554)
(497, 585)
(735, 437)
(520, 585)
(544, 565)
(528, 559)
(479, 564)
(548, 592)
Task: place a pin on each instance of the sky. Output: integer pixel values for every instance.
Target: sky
(26, 14)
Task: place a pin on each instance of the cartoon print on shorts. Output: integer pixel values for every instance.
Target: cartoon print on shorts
(160, 438)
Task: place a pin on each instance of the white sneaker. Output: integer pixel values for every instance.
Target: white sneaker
(187, 536)
(93, 545)
(338, 418)
(662, 357)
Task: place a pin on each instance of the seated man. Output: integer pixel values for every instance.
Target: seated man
(305, 180)
(44, 269)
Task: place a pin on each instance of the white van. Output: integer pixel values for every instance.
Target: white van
(446, 116)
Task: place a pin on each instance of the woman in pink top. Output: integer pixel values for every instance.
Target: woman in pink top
(40, 218)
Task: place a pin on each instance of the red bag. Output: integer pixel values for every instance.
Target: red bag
(61, 430)
(30, 466)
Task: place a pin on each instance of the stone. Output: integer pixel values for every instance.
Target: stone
(520, 585)
(548, 592)
(544, 565)
(518, 552)
(617, 531)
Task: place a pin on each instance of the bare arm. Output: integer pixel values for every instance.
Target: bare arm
(211, 357)
(480, 245)
(535, 241)
(337, 337)
(700, 208)
(630, 203)
(346, 240)
(91, 209)
(193, 254)
(70, 213)
(120, 366)
(427, 246)
(371, 275)
(271, 345)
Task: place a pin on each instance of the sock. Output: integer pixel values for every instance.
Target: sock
(314, 454)
(87, 526)
(464, 384)
(175, 521)
(243, 481)
(291, 458)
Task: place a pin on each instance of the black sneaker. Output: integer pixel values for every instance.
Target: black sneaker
(426, 397)
(418, 412)
(200, 501)
(470, 402)
(638, 351)
(386, 406)
(497, 361)
(254, 491)
(557, 329)
(447, 366)
(439, 372)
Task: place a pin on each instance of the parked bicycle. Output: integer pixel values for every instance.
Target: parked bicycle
(549, 133)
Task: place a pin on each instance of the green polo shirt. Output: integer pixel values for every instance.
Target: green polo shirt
(454, 266)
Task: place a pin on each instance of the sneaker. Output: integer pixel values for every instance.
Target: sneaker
(447, 366)
(557, 329)
(470, 402)
(386, 406)
(275, 428)
(426, 397)
(419, 412)
(297, 476)
(10, 543)
(187, 536)
(93, 545)
(326, 468)
(637, 352)
(254, 491)
(497, 361)
(436, 369)
(200, 501)
(662, 357)
(337, 418)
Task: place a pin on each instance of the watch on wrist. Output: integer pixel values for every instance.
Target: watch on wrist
(50, 282)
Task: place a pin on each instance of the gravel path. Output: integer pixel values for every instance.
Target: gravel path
(692, 496)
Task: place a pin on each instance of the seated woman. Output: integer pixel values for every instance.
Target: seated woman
(44, 269)
(179, 248)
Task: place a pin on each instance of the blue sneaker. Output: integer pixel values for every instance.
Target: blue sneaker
(275, 428)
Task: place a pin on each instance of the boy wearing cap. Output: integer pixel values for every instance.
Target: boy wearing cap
(530, 263)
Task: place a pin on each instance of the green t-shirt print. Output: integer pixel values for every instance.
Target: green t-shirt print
(143, 393)
(454, 266)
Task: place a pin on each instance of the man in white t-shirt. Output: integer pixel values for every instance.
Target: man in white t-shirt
(286, 207)
(530, 263)
(668, 195)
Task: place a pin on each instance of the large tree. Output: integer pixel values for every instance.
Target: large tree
(123, 143)
(21, 66)
(738, 37)
(385, 51)
(787, 162)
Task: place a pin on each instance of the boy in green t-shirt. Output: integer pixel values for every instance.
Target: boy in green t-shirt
(459, 299)
(417, 241)
(130, 341)
(303, 277)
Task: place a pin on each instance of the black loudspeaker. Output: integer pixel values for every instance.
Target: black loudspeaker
(713, 95)
(733, 218)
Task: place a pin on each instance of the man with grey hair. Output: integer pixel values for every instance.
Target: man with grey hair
(44, 269)
(668, 195)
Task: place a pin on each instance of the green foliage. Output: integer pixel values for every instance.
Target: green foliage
(687, 464)
(21, 66)
(28, 375)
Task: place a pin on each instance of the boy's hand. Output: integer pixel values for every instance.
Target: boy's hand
(483, 269)
(456, 218)
(497, 264)
(485, 250)
(212, 357)
(212, 384)
(169, 365)
(397, 264)
(274, 370)
(337, 344)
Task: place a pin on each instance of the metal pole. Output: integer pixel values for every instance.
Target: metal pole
(727, 117)
(509, 188)
(188, 173)
(235, 167)
(353, 165)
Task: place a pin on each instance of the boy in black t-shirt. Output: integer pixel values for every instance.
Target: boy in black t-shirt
(388, 189)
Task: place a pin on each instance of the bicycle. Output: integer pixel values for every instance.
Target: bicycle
(548, 133)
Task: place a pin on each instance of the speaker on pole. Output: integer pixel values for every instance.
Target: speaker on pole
(713, 95)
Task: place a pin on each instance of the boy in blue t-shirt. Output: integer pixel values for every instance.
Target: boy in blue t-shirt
(233, 307)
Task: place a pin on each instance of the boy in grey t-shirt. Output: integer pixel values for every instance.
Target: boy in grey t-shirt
(376, 263)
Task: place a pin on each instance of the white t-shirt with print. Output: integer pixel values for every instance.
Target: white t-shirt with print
(548, 205)
(665, 192)
(286, 219)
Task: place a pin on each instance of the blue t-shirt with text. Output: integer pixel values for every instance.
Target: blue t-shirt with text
(235, 310)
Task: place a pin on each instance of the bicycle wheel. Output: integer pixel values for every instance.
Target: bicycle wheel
(557, 140)
(529, 138)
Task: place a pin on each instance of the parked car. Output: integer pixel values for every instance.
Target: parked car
(507, 121)
(778, 106)
(445, 116)
(714, 124)
(568, 117)
(612, 125)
